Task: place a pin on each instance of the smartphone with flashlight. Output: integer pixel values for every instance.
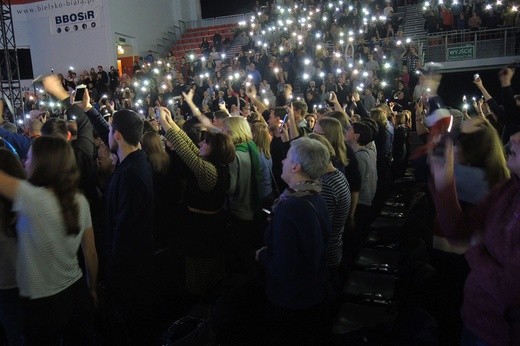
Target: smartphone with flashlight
(157, 113)
(79, 93)
(282, 124)
(331, 96)
(476, 76)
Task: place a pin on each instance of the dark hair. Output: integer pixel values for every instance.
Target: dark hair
(55, 127)
(192, 129)
(220, 115)
(371, 123)
(129, 124)
(54, 166)
(10, 164)
(222, 148)
(364, 132)
(147, 127)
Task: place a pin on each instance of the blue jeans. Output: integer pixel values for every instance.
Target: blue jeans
(467, 338)
(10, 315)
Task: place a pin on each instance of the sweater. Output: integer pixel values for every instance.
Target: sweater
(336, 192)
(295, 258)
(491, 307)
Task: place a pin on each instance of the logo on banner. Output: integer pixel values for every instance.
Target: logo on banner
(75, 21)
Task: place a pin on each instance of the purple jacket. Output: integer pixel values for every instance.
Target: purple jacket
(491, 307)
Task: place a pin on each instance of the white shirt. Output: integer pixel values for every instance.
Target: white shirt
(47, 260)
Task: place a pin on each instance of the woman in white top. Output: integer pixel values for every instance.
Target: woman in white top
(53, 219)
(9, 299)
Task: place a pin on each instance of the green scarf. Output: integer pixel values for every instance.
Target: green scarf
(256, 173)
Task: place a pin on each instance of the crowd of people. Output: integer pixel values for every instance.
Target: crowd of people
(473, 15)
(215, 161)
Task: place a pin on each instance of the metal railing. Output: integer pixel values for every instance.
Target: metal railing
(218, 20)
(458, 46)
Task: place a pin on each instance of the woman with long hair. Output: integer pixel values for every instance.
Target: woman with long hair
(204, 226)
(490, 310)
(10, 318)
(262, 139)
(164, 186)
(479, 166)
(53, 220)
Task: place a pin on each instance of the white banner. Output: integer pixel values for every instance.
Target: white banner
(24, 10)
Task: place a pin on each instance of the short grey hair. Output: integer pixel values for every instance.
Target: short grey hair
(311, 155)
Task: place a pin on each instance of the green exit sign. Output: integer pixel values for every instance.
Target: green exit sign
(461, 53)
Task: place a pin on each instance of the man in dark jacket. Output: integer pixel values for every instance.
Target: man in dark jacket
(294, 258)
(129, 241)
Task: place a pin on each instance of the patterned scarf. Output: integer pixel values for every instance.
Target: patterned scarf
(303, 188)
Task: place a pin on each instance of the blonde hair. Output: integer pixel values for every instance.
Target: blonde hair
(152, 145)
(378, 114)
(333, 131)
(238, 129)
(484, 149)
(325, 142)
(262, 138)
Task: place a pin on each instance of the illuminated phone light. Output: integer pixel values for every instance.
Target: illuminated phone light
(319, 46)
(136, 84)
(27, 116)
(146, 82)
(307, 61)
(51, 104)
(143, 89)
(20, 122)
(305, 76)
(384, 84)
(164, 86)
(169, 77)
